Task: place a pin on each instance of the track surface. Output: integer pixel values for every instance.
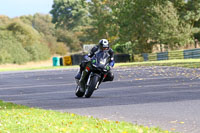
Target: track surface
(167, 97)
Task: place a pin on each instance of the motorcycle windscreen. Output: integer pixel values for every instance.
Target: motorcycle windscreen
(102, 58)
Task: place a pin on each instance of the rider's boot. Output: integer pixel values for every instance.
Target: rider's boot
(78, 75)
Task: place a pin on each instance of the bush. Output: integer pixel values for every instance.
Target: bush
(38, 52)
(5, 56)
(23, 33)
(4, 20)
(69, 38)
(138, 58)
(61, 49)
(51, 42)
(126, 48)
(12, 50)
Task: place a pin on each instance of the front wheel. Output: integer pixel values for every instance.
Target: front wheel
(78, 92)
(90, 89)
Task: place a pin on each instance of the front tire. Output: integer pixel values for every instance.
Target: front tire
(78, 92)
(90, 89)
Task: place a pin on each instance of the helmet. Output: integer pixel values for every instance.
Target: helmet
(104, 44)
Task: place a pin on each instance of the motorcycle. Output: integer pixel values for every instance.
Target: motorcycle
(96, 71)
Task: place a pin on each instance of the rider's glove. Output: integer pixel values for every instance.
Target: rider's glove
(86, 57)
(108, 68)
(112, 63)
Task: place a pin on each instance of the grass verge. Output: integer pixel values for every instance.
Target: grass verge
(19, 119)
(36, 68)
(22, 119)
(189, 63)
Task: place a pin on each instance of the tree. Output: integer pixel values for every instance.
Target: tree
(69, 14)
(165, 26)
(69, 38)
(28, 39)
(192, 16)
(61, 49)
(146, 23)
(43, 24)
(40, 22)
(72, 17)
(4, 20)
(23, 32)
(193, 11)
(11, 50)
(27, 19)
(103, 21)
(132, 18)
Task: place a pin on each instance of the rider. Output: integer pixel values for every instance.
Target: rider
(103, 45)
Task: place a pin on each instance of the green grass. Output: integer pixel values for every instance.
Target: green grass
(189, 63)
(21, 119)
(36, 68)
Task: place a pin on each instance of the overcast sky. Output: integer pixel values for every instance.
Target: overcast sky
(14, 8)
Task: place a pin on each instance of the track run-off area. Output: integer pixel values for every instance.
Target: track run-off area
(167, 97)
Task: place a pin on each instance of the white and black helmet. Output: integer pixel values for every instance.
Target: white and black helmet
(104, 43)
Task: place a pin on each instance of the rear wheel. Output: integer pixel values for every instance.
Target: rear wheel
(90, 89)
(78, 92)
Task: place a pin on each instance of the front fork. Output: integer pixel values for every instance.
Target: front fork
(89, 78)
(85, 73)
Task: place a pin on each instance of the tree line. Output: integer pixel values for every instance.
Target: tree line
(131, 26)
(33, 38)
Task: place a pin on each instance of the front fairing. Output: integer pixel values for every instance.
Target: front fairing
(100, 59)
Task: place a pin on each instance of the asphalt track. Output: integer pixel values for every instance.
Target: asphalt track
(168, 97)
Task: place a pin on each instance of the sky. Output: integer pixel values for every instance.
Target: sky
(16, 8)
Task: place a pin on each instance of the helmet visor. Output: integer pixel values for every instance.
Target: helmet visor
(106, 48)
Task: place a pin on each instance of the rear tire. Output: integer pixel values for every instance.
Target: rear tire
(90, 89)
(78, 92)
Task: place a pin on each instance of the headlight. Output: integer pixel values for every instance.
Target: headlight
(103, 62)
